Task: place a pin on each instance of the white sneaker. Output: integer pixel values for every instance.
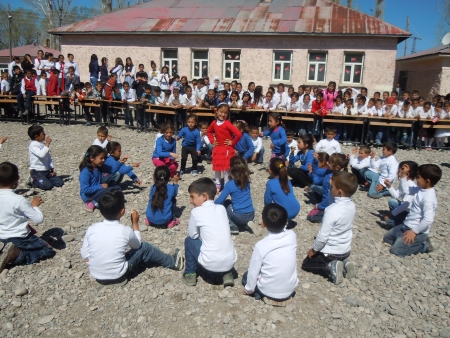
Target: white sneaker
(194, 172)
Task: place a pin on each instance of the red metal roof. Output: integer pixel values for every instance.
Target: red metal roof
(29, 49)
(440, 50)
(235, 16)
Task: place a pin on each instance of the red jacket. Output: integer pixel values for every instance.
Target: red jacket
(53, 86)
(318, 108)
(109, 89)
(30, 84)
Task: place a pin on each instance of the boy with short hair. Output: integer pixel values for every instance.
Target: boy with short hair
(292, 145)
(332, 246)
(28, 88)
(42, 173)
(105, 243)
(361, 163)
(209, 248)
(207, 147)
(328, 145)
(258, 153)
(18, 244)
(102, 137)
(388, 166)
(411, 237)
(272, 274)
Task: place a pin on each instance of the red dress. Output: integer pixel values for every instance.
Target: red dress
(222, 153)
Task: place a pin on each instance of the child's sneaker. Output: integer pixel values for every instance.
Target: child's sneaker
(8, 255)
(349, 269)
(179, 260)
(175, 221)
(181, 173)
(29, 182)
(429, 246)
(313, 212)
(194, 172)
(89, 207)
(228, 279)
(256, 230)
(147, 223)
(190, 279)
(336, 271)
(234, 230)
(218, 186)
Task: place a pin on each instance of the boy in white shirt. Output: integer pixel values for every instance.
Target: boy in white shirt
(411, 237)
(102, 137)
(105, 244)
(42, 85)
(399, 209)
(128, 96)
(332, 246)
(272, 273)
(258, 154)
(18, 244)
(42, 173)
(188, 100)
(328, 145)
(207, 147)
(281, 97)
(388, 166)
(292, 144)
(4, 87)
(360, 164)
(209, 248)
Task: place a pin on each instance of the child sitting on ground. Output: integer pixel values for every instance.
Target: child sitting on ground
(162, 201)
(165, 153)
(258, 153)
(272, 274)
(359, 165)
(398, 210)
(191, 144)
(388, 166)
(305, 155)
(240, 209)
(42, 173)
(318, 169)
(332, 246)
(115, 164)
(209, 248)
(18, 244)
(328, 144)
(411, 237)
(102, 137)
(105, 243)
(207, 147)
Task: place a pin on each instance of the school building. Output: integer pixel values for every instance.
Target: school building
(266, 41)
(427, 71)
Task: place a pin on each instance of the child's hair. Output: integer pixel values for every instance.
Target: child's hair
(192, 116)
(412, 168)
(373, 101)
(93, 151)
(331, 129)
(274, 217)
(9, 173)
(362, 98)
(242, 125)
(365, 149)
(296, 95)
(319, 95)
(147, 86)
(323, 157)
(278, 168)
(224, 93)
(290, 132)
(161, 176)
(392, 146)
(224, 104)
(427, 104)
(257, 94)
(307, 140)
(102, 130)
(406, 103)
(203, 185)
(277, 117)
(239, 171)
(201, 81)
(165, 126)
(270, 90)
(111, 204)
(55, 71)
(211, 91)
(430, 172)
(112, 146)
(234, 92)
(35, 130)
(347, 182)
(339, 160)
(252, 128)
(77, 86)
(202, 124)
(176, 89)
(246, 94)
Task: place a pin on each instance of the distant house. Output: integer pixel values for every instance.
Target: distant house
(21, 51)
(427, 71)
(268, 42)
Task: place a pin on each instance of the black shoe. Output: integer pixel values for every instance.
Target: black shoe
(234, 230)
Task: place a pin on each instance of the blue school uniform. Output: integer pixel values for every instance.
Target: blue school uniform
(274, 193)
(279, 140)
(326, 192)
(304, 159)
(164, 148)
(162, 217)
(191, 138)
(90, 183)
(245, 146)
(318, 173)
(241, 200)
(112, 166)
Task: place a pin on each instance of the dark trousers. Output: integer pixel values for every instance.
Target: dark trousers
(184, 155)
(33, 249)
(96, 197)
(299, 177)
(87, 114)
(28, 97)
(318, 264)
(359, 173)
(44, 180)
(206, 151)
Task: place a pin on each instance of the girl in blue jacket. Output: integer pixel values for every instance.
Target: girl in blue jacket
(278, 136)
(116, 167)
(244, 147)
(300, 176)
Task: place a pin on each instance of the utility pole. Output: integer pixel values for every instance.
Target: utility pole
(9, 32)
(349, 3)
(37, 37)
(406, 41)
(379, 9)
(413, 49)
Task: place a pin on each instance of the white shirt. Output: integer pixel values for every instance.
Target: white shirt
(404, 112)
(105, 244)
(153, 78)
(10, 68)
(338, 108)
(372, 111)
(132, 72)
(76, 70)
(163, 79)
(98, 143)
(37, 64)
(130, 95)
(188, 101)
(423, 208)
(24, 81)
(327, 146)
(388, 168)
(173, 100)
(415, 111)
(358, 162)
(4, 86)
(271, 105)
(335, 234)
(210, 223)
(15, 213)
(205, 140)
(273, 266)
(117, 70)
(293, 106)
(45, 64)
(405, 192)
(306, 106)
(200, 93)
(41, 88)
(40, 158)
(282, 100)
(295, 145)
(257, 143)
(361, 109)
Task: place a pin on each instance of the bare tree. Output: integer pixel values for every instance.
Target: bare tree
(444, 27)
(379, 9)
(25, 25)
(349, 3)
(106, 6)
(337, 2)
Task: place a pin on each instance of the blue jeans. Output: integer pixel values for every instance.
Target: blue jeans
(112, 179)
(236, 219)
(206, 151)
(260, 156)
(128, 116)
(373, 178)
(33, 249)
(148, 254)
(395, 220)
(96, 197)
(318, 189)
(94, 80)
(44, 180)
(395, 238)
(191, 252)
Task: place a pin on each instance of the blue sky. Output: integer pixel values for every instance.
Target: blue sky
(424, 18)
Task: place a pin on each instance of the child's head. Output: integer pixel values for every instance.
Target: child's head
(112, 205)
(233, 85)
(93, 158)
(271, 90)
(239, 172)
(167, 130)
(71, 70)
(290, 135)
(102, 133)
(428, 175)
(371, 103)
(226, 86)
(379, 104)
(203, 126)
(114, 149)
(364, 91)
(389, 148)
(234, 95)
(291, 91)
(331, 86)
(338, 101)
(415, 94)
(88, 85)
(274, 120)
(222, 95)
(274, 217)
(385, 96)
(28, 73)
(239, 87)
(343, 184)
(251, 86)
(306, 98)
(349, 103)
(5, 75)
(319, 97)
(188, 90)
(269, 96)
(116, 89)
(330, 132)
(9, 175)
(254, 132)
(305, 142)
(412, 168)
(294, 97)
(364, 151)
(337, 162)
(157, 91)
(246, 97)
(141, 67)
(148, 89)
(280, 88)
(361, 100)
(242, 126)
(176, 92)
(426, 106)
(278, 169)
(405, 95)
(201, 190)
(161, 177)
(191, 121)
(322, 159)
(301, 89)
(376, 95)
(394, 94)
(126, 86)
(222, 111)
(99, 86)
(211, 94)
(36, 133)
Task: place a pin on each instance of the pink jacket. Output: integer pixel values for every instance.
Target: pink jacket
(328, 98)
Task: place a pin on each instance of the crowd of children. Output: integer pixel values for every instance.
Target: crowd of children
(209, 250)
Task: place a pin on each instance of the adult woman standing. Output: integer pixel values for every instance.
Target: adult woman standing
(129, 71)
(104, 71)
(94, 70)
(37, 61)
(27, 63)
(153, 77)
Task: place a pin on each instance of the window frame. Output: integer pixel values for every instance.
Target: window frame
(316, 64)
(352, 65)
(233, 61)
(283, 63)
(170, 60)
(193, 60)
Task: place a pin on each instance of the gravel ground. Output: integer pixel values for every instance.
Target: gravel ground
(390, 297)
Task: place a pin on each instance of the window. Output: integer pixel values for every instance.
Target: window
(3, 68)
(403, 79)
(199, 63)
(170, 60)
(282, 66)
(353, 67)
(317, 66)
(231, 65)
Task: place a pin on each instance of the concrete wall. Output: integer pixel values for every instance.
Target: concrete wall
(256, 54)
